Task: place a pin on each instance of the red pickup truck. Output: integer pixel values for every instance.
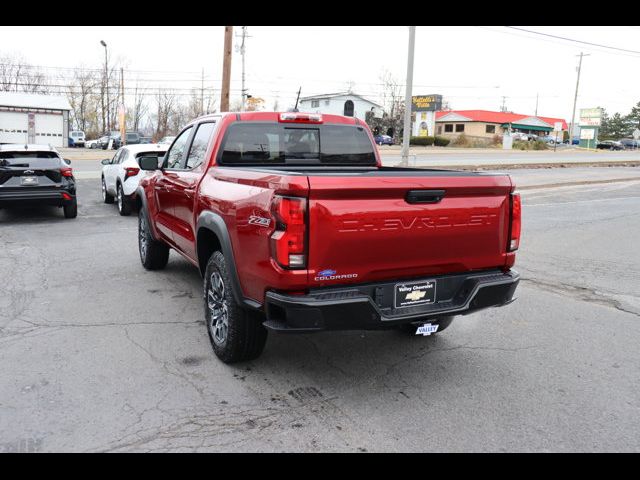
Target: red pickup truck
(296, 226)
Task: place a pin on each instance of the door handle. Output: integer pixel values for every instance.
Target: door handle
(424, 196)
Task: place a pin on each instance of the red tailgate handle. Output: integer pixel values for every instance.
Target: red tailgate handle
(424, 196)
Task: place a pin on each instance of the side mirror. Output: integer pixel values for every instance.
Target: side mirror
(68, 162)
(106, 161)
(148, 163)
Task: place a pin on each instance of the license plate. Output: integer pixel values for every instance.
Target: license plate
(414, 293)
(29, 180)
(427, 329)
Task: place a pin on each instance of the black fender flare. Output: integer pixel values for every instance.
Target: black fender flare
(215, 223)
(144, 210)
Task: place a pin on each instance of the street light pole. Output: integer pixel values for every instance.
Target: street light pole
(407, 99)
(106, 85)
(575, 100)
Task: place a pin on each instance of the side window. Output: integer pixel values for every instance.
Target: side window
(123, 156)
(199, 145)
(176, 154)
(116, 157)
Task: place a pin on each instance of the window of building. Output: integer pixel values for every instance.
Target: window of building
(315, 103)
(448, 127)
(459, 127)
(490, 129)
(326, 102)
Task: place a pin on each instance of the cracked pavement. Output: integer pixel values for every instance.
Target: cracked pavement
(99, 355)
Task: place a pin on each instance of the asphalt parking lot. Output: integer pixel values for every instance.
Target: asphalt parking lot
(98, 354)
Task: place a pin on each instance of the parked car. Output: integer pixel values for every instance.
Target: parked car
(520, 136)
(552, 139)
(260, 203)
(167, 140)
(92, 143)
(383, 140)
(145, 140)
(133, 138)
(121, 174)
(630, 143)
(36, 174)
(609, 145)
(78, 138)
(71, 142)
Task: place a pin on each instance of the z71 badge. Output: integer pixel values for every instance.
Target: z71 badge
(263, 222)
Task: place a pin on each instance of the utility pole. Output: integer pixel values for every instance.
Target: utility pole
(407, 98)
(536, 114)
(575, 98)
(226, 69)
(105, 124)
(242, 52)
(123, 117)
(504, 105)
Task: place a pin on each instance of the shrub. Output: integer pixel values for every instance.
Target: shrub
(530, 145)
(461, 141)
(441, 141)
(425, 141)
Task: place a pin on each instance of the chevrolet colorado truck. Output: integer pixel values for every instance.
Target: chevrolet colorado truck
(296, 226)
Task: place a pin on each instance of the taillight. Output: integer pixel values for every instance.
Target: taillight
(66, 171)
(130, 172)
(292, 117)
(516, 222)
(288, 242)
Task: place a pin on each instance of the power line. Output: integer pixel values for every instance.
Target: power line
(575, 41)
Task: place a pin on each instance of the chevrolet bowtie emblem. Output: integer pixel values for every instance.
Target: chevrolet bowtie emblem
(415, 295)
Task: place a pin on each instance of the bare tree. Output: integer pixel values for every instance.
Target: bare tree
(83, 100)
(18, 76)
(139, 110)
(166, 102)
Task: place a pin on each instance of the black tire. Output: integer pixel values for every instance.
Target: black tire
(443, 324)
(236, 333)
(124, 205)
(71, 209)
(154, 254)
(106, 196)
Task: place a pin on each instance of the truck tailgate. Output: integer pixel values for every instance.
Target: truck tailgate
(370, 228)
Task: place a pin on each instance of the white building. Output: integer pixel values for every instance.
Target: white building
(34, 118)
(348, 104)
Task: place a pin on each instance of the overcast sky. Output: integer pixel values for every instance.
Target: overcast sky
(473, 67)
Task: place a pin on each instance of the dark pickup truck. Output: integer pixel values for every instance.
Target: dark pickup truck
(296, 226)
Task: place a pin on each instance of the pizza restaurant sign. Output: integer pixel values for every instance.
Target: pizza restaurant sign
(426, 103)
(590, 117)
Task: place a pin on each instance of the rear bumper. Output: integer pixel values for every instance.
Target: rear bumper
(47, 196)
(370, 307)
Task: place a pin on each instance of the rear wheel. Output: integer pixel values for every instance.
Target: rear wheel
(106, 196)
(124, 206)
(71, 210)
(236, 334)
(442, 322)
(154, 255)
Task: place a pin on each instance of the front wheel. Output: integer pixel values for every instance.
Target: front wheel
(442, 322)
(106, 196)
(124, 206)
(154, 255)
(236, 334)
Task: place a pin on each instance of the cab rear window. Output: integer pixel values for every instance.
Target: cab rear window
(266, 143)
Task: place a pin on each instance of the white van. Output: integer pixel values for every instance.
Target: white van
(78, 138)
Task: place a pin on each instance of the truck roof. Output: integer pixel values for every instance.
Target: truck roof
(275, 116)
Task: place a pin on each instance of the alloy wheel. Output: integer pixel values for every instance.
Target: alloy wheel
(218, 321)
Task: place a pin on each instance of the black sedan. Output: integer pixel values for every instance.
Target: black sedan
(610, 145)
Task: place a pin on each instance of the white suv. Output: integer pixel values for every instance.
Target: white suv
(122, 174)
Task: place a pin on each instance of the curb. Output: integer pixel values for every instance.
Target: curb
(516, 166)
(582, 182)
